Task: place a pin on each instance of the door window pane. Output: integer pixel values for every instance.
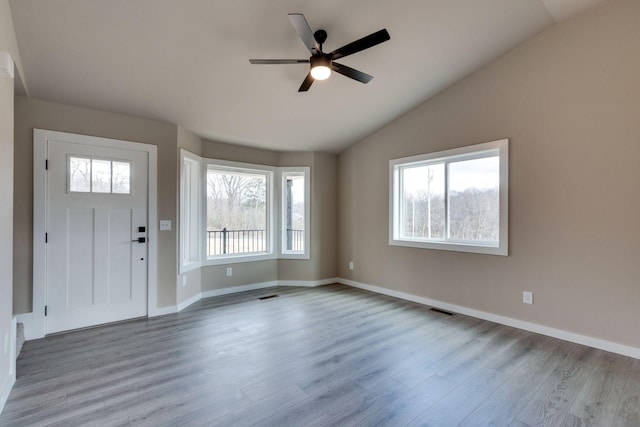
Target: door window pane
(100, 176)
(79, 175)
(121, 176)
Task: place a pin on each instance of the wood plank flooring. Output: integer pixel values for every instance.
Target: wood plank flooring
(327, 356)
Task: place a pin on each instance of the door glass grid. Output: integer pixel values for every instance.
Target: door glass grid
(90, 175)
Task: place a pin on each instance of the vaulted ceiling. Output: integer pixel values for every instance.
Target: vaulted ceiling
(186, 62)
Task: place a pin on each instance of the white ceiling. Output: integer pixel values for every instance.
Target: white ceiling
(186, 61)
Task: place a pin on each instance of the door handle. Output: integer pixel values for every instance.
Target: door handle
(140, 240)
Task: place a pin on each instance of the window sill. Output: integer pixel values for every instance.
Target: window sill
(238, 258)
(454, 247)
(302, 256)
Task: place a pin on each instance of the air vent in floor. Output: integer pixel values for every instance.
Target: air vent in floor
(437, 310)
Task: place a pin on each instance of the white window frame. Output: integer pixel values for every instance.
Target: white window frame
(285, 172)
(271, 200)
(191, 197)
(499, 147)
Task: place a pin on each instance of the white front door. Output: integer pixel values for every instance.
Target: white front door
(96, 250)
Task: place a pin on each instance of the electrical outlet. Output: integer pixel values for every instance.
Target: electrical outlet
(527, 297)
(229, 271)
(350, 265)
(165, 225)
(184, 280)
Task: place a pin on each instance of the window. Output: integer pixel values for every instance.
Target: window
(87, 175)
(238, 210)
(453, 200)
(190, 212)
(230, 213)
(295, 213)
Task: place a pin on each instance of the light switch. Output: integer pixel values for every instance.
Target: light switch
(165, 225)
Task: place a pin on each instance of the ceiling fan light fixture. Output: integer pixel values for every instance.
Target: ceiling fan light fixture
(321, 63)
(320, 67)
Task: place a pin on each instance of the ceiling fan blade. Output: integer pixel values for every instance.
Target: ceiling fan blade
(351, 73)
(306, 84)
(361, 44)
(304, 31)
(279, 61)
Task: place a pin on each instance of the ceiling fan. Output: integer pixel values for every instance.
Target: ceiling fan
(323, 63)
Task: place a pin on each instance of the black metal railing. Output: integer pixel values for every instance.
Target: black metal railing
(222, 242)
(295, 240)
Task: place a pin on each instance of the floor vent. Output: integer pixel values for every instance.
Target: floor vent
(437, 310)
(269, 296)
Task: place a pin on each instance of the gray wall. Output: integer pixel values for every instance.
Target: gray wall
(569, 100)
(31, 113)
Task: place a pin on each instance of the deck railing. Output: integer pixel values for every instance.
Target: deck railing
(224, 242)
(295, 240)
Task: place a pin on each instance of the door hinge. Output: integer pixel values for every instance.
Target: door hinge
(45, 310)
(46, 164)
(46, 237)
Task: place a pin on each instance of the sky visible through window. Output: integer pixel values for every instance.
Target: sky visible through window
(482, 174)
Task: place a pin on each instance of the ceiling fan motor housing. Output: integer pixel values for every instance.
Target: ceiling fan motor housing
(320, 36)
(321, 60)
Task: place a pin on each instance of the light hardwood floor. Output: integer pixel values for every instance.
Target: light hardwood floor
(324, 356)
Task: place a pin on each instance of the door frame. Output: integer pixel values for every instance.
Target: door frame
(40, 213)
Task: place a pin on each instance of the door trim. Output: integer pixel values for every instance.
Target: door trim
(40, 139)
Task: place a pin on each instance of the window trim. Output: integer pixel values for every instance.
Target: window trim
(271, 199)
(462, 153)
(304, 171)
(196, 231)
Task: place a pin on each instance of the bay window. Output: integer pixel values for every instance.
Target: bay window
(230, 212)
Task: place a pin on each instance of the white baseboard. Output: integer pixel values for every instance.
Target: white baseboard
(613, 347)
(11, 378)
(308, 283)
(186, 303)
(601, 344)
(6, 390)
(224, 291)
(13, 346)
(161, 311)
(236, 289)
(27, 320)
(253, 286)
(29, 330)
